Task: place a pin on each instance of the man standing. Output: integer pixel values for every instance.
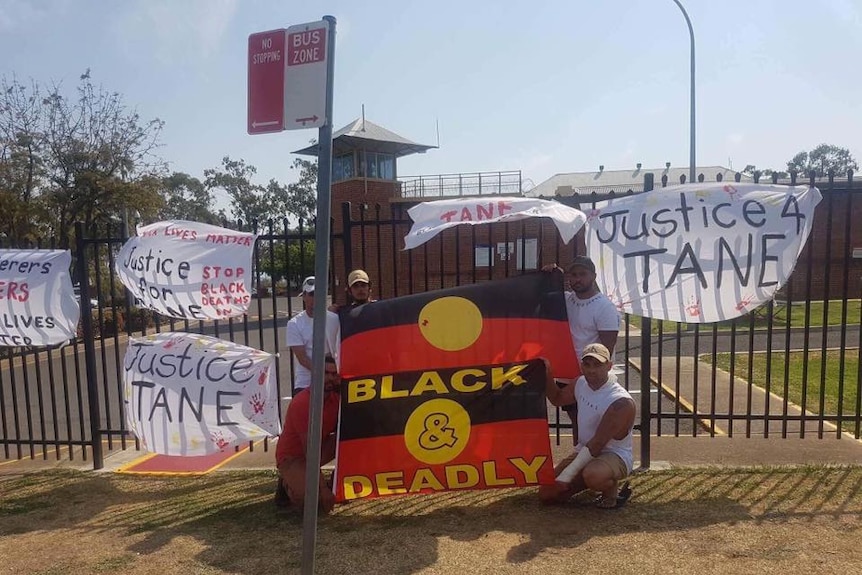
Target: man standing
(593, 318)
(300, 336)
(606, 415)
(290, 453)
(358, 291)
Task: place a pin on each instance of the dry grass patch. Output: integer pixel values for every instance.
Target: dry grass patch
(710, 520)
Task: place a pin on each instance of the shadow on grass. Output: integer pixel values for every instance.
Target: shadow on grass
(232, 517)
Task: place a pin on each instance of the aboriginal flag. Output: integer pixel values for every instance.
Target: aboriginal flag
(510, 320)
(443, 429)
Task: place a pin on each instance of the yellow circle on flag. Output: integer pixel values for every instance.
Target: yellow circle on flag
(450, 323)
(437, 431)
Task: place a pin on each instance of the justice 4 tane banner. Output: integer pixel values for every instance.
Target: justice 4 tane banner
(435, 430)
(190, 394)
(515, 319)
(37, 303)
(431, 218)
(189, 270)
(699, 253)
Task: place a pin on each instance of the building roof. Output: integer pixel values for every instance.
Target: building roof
(621, 181)
(361, 134)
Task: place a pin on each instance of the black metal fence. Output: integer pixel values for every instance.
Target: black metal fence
(791, 368)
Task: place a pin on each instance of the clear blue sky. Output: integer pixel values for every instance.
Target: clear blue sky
(544, 87)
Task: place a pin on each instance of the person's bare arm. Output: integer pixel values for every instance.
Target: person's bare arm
(554, 393)
(615, 424)
(301, 356)
(608, 338)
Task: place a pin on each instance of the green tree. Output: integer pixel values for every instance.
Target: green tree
(823, 159)
(751, 170)
(274, 201)
(64, 160)
(292, 260)
(248, 201)
(186, 198)
(302, 194)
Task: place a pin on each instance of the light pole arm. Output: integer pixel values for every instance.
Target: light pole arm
(691, 160)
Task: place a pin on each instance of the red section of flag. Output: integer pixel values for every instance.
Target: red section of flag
(514, 453)
(503, 340)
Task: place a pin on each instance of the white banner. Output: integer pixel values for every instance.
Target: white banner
(189, 270)
(431, 218)
(37, 302)
(190, 394)
(699, 253)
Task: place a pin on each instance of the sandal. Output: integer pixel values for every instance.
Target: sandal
(622, 498)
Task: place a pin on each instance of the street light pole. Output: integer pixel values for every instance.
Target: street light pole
(691, 160)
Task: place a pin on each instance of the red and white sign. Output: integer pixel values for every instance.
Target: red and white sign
(266, 65)
(305, 76)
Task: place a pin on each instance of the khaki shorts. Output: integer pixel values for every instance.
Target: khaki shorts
(612, 460)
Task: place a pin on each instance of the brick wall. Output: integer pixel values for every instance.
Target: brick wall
(379, 225)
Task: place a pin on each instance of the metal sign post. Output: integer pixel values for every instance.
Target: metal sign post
(321, 272)
(290, 87)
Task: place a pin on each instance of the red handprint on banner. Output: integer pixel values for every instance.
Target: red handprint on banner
(257, 402)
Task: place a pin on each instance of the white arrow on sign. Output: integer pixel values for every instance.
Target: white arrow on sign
(270, 123)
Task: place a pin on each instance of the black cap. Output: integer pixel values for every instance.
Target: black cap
(583, 262)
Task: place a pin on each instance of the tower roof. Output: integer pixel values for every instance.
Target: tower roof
(364, 135)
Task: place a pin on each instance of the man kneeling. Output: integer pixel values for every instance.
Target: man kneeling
(606, 415)
(293, 442)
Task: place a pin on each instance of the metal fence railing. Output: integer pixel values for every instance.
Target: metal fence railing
(453, 185)
(783, 371)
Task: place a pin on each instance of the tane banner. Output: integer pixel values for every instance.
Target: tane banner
(37, 302)
(190, 394)
(431, 218)
(503, 321)
(435, 430)
(699, 253)
(189, 270)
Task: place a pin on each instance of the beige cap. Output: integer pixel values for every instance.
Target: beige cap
(357, 276)
(597, 351)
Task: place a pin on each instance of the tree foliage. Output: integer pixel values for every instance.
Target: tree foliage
(64, 160)
(256, 202)
(186, 198)
(823, 159)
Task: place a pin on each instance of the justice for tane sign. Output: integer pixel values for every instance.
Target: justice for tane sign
(190, 394)
(699, 253)
(189, 270)
(37, 303)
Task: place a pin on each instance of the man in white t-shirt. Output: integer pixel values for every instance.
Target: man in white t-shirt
(593, 318)
(606, 416)
(300, 336)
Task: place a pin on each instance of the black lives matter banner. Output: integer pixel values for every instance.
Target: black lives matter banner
(434, 430)
(699, 253)
(37, 303)
(189, 270)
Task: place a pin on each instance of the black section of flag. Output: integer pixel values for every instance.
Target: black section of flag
(537, 295)
(378, 417)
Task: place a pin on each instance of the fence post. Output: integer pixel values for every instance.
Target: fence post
(346, 226)
(89, 348)
(646, 368)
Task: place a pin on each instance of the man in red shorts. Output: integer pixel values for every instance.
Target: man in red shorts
(293, 443)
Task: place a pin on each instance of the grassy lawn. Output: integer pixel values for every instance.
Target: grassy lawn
(833, 389)
(705, 520)
(796, 311)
